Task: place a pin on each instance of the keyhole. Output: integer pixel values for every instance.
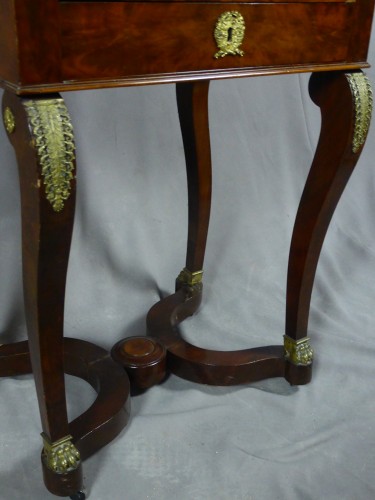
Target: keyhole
(230, 32)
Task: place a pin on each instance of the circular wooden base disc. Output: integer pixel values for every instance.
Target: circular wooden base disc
(144, 359)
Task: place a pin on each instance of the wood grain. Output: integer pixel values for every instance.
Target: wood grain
(100, 40)
(331, 169)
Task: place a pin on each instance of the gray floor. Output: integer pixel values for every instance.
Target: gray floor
(265, 441)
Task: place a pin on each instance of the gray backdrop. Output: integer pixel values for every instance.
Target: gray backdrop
(264, 441)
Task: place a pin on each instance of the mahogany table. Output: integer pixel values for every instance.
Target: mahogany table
(51, 46)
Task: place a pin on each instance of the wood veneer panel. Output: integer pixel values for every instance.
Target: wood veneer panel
(8, 42)
(361, 30)
(112, 40)
(38, 40)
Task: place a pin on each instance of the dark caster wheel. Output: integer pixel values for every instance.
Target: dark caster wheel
(80, 495)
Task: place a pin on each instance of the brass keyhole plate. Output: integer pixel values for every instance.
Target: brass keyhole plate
(229, 34)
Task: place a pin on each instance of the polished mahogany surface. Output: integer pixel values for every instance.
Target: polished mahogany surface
(50, 46)
(55, 45)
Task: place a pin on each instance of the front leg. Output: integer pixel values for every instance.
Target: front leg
(345, 100)
(41, 133)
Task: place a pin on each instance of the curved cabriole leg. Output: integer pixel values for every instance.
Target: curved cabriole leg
(192, 102)
(41, 133)
(144, 358)
(44, 145)
(345, 100)
(188, 361)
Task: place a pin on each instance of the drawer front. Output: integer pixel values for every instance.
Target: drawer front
(120, 40)
(214, 1)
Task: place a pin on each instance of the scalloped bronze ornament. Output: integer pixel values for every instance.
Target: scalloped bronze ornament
(299, 352)
(229, 34)
(9, 120)
(362, 93)
(54, 141)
